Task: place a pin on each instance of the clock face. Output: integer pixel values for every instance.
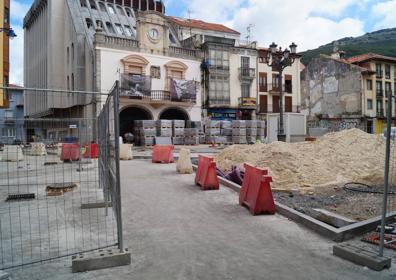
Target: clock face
(153, 33)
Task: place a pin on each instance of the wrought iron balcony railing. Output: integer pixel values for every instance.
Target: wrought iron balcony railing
(247, 73)
(139, 87)
(274, 88)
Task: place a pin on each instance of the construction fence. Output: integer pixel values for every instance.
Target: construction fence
(59, 175)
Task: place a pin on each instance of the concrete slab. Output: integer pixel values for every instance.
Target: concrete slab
(361, 256)
(334, 233)
(332, 218)
(100, 260)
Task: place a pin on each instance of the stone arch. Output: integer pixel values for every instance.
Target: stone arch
(131, 113)
(174, 113)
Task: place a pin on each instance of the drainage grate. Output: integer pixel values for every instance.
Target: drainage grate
(21, 196)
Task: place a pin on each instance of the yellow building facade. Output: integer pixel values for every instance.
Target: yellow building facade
(4, 50)
(376, 85)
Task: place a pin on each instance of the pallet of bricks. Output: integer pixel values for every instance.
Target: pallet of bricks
(251, 131)
(212, 131)
(226, 132)
(239, 132)
(178, 127)
(144, 132)
(192, 132)
(261, 125)
(164, 128)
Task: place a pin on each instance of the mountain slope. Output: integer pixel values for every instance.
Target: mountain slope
(381, 42)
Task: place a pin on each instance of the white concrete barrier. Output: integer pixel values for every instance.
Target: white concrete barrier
(38, 149)
(184, 165)
(126, 152)
(12, 153)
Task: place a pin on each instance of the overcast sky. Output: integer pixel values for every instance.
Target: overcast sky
(308, 23)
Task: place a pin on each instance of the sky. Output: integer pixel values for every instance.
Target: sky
(308, 23)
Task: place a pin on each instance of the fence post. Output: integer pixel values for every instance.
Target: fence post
(386, 178)
(117, 162)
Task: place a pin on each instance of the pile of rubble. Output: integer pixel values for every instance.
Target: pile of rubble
(336, 158)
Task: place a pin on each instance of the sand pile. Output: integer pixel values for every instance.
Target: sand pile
(336, 158)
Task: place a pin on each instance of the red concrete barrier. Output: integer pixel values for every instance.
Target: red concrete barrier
(70, 152)
(91, 150)
(256, 193)
(206, 176)
(163, 154)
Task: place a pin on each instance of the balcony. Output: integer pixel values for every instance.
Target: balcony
(116, 42)
(247, 102)
(379, 74)
(380, 93)
(214, 102)
(380, 113)
(274, 88)
(9, 117)
(155, 96)
(247, 74)
(138, 87)
(184, 52)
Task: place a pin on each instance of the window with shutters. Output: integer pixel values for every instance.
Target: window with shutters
(288, 84)
(275, 82)
(263, 103)
(263, 82)
(288, 104)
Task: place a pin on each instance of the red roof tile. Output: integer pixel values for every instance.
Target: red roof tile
(199, 24)
(370, 56)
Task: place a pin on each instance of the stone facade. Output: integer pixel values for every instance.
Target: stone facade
(331, 89)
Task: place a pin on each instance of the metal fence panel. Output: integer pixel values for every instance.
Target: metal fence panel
(52, 174)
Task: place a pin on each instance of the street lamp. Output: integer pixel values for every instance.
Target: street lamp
(9, 32)
(279, 60)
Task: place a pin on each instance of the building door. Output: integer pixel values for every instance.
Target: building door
(275, 104)
(263, 103)
(288, 104)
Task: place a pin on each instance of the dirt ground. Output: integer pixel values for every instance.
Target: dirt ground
(354, 205)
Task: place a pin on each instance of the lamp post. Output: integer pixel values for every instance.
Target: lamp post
(9, 32)
(279, 60)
